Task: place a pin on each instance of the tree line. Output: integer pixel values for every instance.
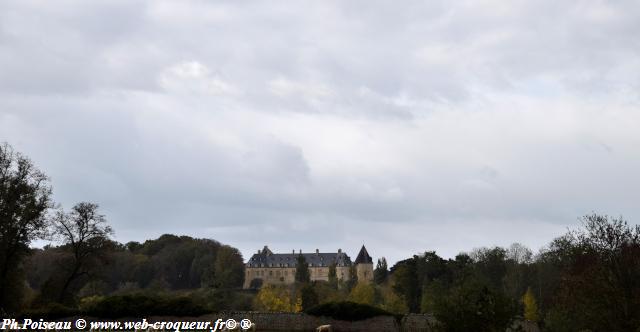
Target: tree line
(86, 262)
(586, 279)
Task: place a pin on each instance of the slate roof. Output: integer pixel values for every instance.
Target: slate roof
(266, 258)
(363, 257)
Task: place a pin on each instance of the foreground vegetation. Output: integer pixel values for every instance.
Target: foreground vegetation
(587, 279)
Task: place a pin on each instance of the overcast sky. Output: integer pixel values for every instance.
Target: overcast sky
(406, 126)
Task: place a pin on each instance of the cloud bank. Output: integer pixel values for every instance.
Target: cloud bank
(421, 126)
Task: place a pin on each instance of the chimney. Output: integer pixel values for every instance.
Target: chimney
(300, 251)
(293, 251)
(339, 250)
(317, 251)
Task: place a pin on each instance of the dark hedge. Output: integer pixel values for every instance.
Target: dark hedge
(348, 311)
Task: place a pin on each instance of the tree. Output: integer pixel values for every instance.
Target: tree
(308, 297)
(353, 278)
(381, 271)
(405, 283)
(84, 234)
(431, 294)
(391, 301)
(256, 283)
(530, 306)
(473, 306)
(328, 292)
(491, 264)
(333, 275)
(228, 268)
(363, 293)
(302, 270)
(519, 274)
(274, 298)
(25, 197)
(519, 253)
(599, 273)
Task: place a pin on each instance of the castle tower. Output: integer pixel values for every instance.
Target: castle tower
(364, 266)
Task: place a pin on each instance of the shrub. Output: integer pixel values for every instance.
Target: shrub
(50, 311)
(217, 300)
(88, 303)
(142, 305)
(346, 310)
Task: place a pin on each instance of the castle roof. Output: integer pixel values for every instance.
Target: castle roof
(266, 258)
(363, 257)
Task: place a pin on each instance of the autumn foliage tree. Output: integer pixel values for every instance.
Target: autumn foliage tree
(530, 306)
(274, 298)
(363, 293)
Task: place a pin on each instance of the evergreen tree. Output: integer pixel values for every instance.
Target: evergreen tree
(353, 278)
(302, 270)
(381, 272)
(333, 275)
(308, 296)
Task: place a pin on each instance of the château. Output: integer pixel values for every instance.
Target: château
(267, 268)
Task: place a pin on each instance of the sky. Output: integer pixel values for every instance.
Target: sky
(406, 127)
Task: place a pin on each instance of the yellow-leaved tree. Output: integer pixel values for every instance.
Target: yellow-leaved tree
(392, 302)
(363, 293)
(274, 298)
(530, 306)
(298, 306)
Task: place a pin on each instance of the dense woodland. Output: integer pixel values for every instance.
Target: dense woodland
(169, 263)
(587, 279)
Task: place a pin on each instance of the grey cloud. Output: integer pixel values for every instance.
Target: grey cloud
(422, 126)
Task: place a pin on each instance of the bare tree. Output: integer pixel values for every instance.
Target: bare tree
(519, 253)
(84, 232)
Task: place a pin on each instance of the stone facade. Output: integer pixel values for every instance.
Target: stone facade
(364, 266)
(267, 268)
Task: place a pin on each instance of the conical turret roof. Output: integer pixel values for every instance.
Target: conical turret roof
(363, 257)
